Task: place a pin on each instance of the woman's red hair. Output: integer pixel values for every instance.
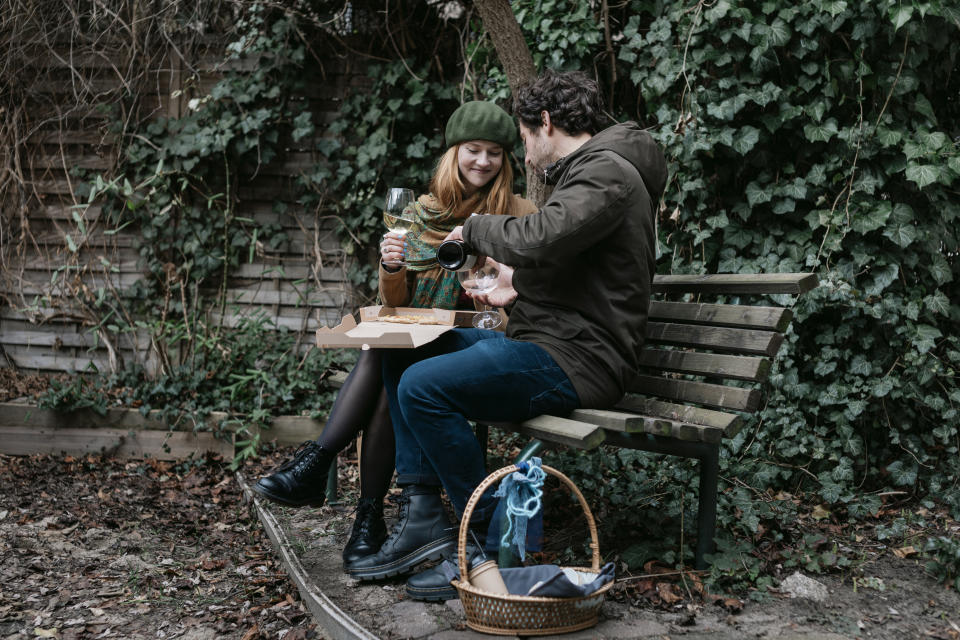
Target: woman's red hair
(494, 197)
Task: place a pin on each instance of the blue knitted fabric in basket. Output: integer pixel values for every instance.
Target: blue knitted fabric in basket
(521, 491)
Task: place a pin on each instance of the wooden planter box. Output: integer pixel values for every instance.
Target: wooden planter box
(26, 429)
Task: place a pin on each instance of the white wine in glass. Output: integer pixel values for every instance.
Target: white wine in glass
(397, 215)
(480, 280)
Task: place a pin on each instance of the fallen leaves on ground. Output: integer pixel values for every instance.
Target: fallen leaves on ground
(93, 546)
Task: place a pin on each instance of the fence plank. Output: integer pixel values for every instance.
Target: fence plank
(163, 445)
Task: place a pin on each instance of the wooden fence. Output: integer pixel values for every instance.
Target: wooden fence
(43, 327)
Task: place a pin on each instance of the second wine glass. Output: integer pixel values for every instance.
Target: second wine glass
(480, 280)
(397, 214)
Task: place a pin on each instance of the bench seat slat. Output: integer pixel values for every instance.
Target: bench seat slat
(722, 315)
(712, 395)
(572, 433)
(619, 422)
(706, 364)
(610, 420)
(725, 422)
(747, 341)
(736, 283)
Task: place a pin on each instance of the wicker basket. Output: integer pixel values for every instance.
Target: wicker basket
(508, 615)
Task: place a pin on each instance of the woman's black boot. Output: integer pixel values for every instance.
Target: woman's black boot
(301, 481)
(369, 530)
(422, 532)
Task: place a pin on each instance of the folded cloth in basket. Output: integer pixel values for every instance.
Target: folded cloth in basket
(547, 580)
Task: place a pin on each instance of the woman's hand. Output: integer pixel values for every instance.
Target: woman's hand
(391, 249)
(504, 294)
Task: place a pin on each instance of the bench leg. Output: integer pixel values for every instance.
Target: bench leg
(707, 508)
(332, 482)
(482, 431)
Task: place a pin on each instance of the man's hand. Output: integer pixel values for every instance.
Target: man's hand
(455, 234)
(504, 294)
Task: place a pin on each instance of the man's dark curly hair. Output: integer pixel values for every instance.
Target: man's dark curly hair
(572, 99)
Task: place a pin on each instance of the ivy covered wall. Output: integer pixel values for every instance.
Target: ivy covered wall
(822, 137)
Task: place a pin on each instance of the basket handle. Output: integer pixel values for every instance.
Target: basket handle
(487, 483)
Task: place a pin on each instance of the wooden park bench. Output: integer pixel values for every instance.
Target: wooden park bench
(680, 402)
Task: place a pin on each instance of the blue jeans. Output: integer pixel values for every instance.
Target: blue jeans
(466, 373)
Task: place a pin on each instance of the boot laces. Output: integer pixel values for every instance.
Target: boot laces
(366, 513)
(402, 503)
(304, 459)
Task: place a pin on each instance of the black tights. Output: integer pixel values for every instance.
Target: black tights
(361, 405)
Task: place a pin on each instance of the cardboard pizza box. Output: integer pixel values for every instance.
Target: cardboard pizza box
(374, 331)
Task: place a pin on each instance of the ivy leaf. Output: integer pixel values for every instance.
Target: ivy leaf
(834, 8)
(922, 105)
(882, 386)
(922, 174)
(925, 338)
(779, 33)
(821, 132)
(757, 194)
(817, 175)
(785, 205)
(913, 150)
(796, 189)
(825, 367)
(902, 213)
(932, 141)
(746, 139)
(940, 269)
(902, 474)
(938, 303)
(902, 234)
(873, 219)
(737, 236)
(889, 137)
(900, 15)
(718, 221)
(817, 110)
(954, 164)
(882, 278)
(861, 365)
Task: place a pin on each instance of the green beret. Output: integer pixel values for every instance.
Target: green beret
(479, 120)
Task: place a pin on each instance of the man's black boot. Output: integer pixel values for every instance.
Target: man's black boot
(300, 481)
(432, 584)
(422, 532)
(369, 531)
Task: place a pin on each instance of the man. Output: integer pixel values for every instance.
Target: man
(580, 293)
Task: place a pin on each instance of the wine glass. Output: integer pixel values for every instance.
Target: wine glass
(479, 280)
(398, 215)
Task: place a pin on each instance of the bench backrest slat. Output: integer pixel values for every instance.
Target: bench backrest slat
(736, 283)
(745, 341)
(718, 396)
(713, 365)
(722, 315)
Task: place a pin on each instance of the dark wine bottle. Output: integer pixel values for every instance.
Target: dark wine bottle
(455, 255)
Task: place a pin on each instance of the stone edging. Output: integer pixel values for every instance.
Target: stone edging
(335, 623)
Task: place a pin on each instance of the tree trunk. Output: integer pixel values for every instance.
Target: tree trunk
(511, 47)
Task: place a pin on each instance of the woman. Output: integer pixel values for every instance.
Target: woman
(473, 176)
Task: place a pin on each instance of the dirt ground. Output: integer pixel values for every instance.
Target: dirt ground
(104, 548)
(883, 597)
